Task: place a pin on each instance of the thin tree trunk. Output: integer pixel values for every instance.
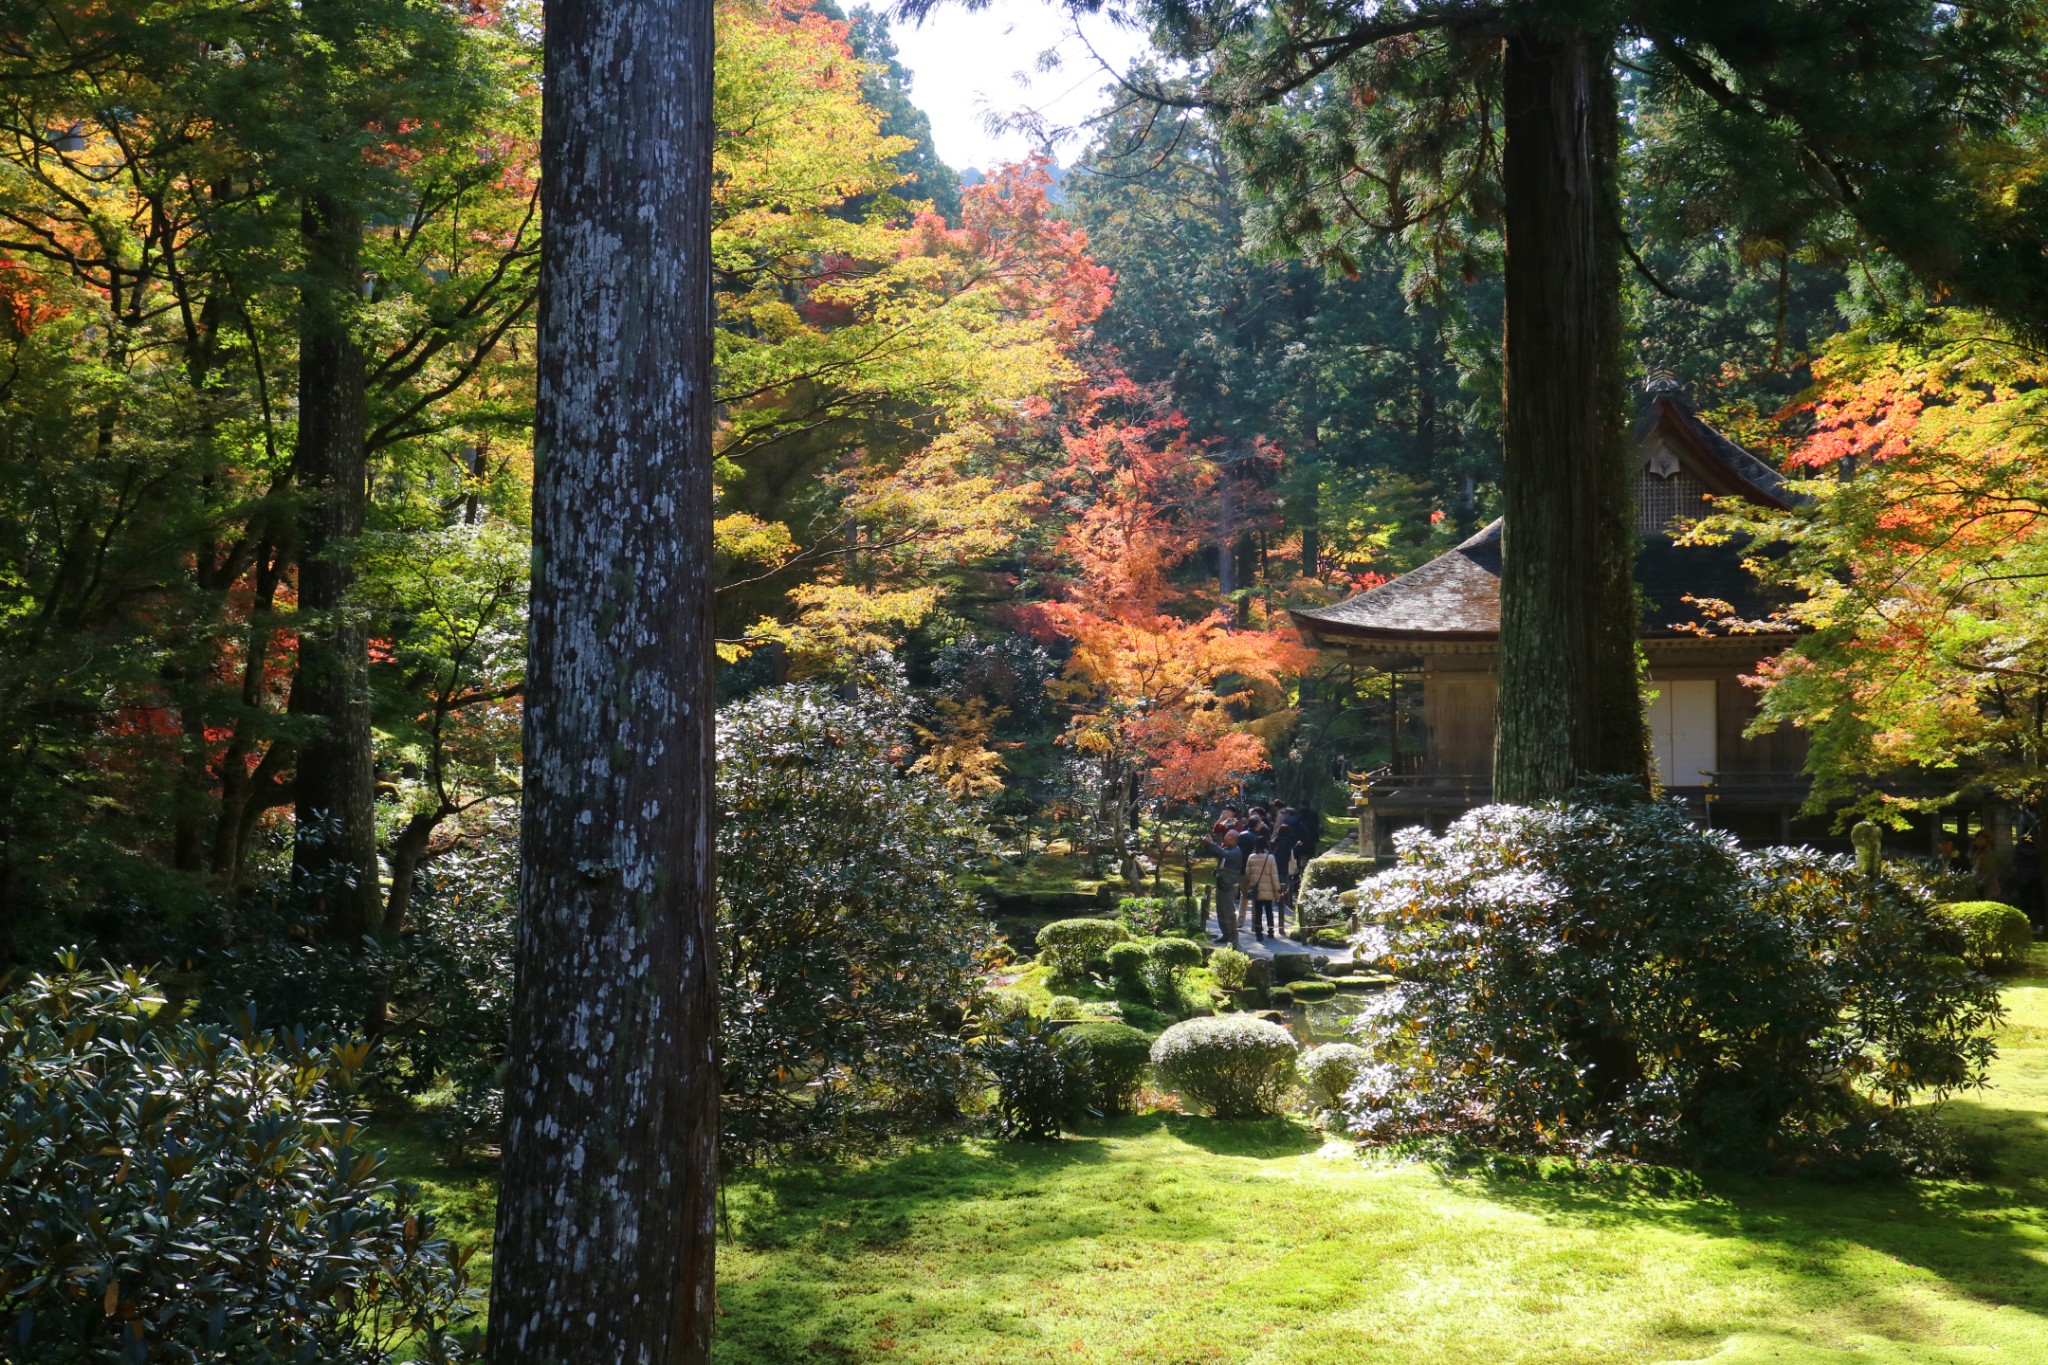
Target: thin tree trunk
(1226, 533)
(408, 855)
(605, 1211)
(335, 852)
(1569, 702)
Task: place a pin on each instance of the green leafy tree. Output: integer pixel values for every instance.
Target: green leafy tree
(848, 948)
(1438, 123)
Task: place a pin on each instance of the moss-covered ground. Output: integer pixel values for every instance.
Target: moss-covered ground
(1170, 1239)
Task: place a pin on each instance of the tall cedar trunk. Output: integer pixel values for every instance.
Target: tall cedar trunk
(1569, 701)
(335, 855)
(605, 1213)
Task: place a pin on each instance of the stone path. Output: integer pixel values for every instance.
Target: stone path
(1267, 947)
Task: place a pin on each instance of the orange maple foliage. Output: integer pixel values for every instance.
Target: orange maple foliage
(1160, 680)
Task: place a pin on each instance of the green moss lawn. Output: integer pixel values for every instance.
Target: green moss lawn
(1170, 1239)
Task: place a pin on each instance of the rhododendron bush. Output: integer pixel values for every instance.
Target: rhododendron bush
(1602, 978)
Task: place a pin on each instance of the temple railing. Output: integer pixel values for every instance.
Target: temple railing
(1409, 791)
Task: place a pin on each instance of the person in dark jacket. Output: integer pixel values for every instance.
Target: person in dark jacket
(1229, 854)
(1286, 836)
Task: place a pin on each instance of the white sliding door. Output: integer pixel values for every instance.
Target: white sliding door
(1682, 730)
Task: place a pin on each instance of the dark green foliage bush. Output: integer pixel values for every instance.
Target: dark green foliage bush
(1336, 872)
(1043, 1081)
(440, 993)
(1314, 988)
(1069, 947)
(1601, 977)
(849, 951)
(1996, 936)
(1127, 963)
(1328, 1071)
(1117, 1057)
(848, 948)
(1158, 916)
(170, 1190)
(1234, 1067)
(1231, 968)
(1168, 962)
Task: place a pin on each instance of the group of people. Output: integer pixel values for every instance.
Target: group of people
(1259, 854)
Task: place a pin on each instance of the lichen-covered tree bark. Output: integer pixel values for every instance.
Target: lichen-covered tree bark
(1569, 700)
(604, 1248)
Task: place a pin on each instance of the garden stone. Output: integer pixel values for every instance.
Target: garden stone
(1292, 967)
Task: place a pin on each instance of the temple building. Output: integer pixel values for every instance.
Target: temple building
(1436, 632)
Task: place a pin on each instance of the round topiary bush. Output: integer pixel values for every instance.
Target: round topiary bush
(1127, 962)
(1167, 964)
(1063, 1007)
(1233, 1067)
(1996, 936)
(1337, 872)
(1314, 988)
(1117, 1056)
(1231, 967)
(1329, 1070)
(1000, 1004)
(1068, 946)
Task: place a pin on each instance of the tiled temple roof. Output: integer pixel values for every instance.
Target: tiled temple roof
(1456, 596)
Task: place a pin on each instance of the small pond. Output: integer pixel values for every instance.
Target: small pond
(1326, 1021)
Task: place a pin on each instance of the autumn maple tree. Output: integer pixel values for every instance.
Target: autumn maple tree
(1915, 563)
(1160, 679)
(872, 357)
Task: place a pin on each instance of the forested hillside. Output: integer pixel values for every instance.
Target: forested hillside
(1048, 474)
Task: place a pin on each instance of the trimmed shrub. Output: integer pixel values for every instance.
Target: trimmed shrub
(1063, 1007)
(1233, 1067)
(1568, 975)
(1127, 962)
(1168, 962)
(1043, 1082)
(1002, 1003)
(1337, 872)
(1117, 1056)
(1101, 1009)
(175, 1191)
(1231, 968)
(1314, 988)
(1328, 1071)
(1996, 936)
(1068, 947)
